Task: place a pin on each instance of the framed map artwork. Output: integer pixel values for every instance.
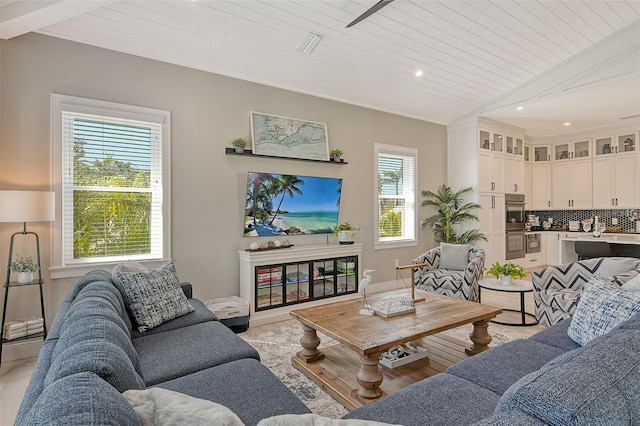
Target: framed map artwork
(278, 136)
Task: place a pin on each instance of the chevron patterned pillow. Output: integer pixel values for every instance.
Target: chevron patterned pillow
(601, 308)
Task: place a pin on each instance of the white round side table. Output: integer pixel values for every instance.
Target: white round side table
(517, 286)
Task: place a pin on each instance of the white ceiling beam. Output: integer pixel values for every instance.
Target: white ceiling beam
(589, 67)
(23, 16)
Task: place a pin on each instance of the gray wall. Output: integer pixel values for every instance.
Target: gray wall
(207, 187)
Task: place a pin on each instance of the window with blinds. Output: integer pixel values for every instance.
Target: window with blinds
(396, 194)
(111, 184)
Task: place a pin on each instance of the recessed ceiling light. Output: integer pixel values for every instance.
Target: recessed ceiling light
(419, 73)
(567, 124)
(520, 108)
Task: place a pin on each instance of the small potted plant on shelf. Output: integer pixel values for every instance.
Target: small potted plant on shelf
(506, 272)
(346, 233)
(25, 267)
(239, 144)
(335, 155)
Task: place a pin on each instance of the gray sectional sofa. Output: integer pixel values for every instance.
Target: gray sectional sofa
(93, 353)
(545, 379)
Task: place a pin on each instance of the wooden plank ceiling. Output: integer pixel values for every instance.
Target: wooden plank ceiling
(471, 52)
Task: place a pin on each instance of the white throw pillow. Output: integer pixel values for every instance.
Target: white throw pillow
(613, 266)
(454, 256)
(632, 284)
(128, 266)
(315, 420)
(157, 406)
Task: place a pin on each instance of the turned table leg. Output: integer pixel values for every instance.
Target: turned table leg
(309, 342)
(369, 377)
(480, 338)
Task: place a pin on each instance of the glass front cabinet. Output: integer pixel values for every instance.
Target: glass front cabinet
(278, 281)
(283, 284)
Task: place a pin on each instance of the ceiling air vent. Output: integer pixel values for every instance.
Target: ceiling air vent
(309, 42)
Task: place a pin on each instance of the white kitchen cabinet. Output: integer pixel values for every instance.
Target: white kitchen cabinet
(513, 174)
(540, 187)
(491, 172)
(615, 181)
(491, 141)
(572, 187)
(541, 154)
(535, 260)
(492, 218)
(571, 150)
(553, 247)
(620, 144)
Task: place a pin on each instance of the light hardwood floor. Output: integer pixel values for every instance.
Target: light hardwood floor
(15, 375)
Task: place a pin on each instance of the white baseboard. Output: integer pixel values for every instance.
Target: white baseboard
(20, 350)
(282, 314)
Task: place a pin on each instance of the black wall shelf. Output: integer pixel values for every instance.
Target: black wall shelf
(249, 153)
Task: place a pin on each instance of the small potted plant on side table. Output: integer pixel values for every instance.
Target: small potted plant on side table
(506, 272)
(346, 233)
(25, 267)
(335, 155)
(239, 144)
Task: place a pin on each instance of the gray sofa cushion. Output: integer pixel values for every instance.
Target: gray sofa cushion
(95, 338)
(79, 399)
(245, 386)
(496, 370)
(556, 335)
(597, 384)
(200, 314)
(443, 399)
(191, 349)
(510, 418)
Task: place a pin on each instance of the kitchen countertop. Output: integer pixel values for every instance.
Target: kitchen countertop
(610, 238)
(577, 233)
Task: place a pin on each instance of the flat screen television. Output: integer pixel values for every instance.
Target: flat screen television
(290, 205)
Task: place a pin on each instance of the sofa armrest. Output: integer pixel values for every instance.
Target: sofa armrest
(187, 289)
(427, 261)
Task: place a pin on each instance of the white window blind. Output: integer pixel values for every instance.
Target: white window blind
(396, 193)
(112, 187)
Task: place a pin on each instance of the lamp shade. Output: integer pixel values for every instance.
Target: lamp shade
(27, 206)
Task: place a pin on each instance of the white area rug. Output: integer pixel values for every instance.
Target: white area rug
(277, 347)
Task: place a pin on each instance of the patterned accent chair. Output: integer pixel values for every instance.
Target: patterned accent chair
(460, 284)
(557, 289)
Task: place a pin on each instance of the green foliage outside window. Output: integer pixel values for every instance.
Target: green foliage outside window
(109, 218)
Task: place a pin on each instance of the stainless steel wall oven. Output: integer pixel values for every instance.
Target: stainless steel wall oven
(515, 218)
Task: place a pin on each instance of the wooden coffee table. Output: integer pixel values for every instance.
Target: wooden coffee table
(350, 371)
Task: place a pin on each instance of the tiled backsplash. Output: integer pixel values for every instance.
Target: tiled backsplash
(626, 218)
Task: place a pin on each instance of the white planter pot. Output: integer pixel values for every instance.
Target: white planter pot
(239, 149)
(346, 237)
(25, 277)
(506, 280)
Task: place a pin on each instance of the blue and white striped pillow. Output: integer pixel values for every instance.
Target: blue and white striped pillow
(601, 308)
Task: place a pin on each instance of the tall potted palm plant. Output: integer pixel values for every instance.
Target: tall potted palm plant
(451, 210)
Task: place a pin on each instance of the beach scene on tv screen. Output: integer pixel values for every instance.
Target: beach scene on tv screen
(280, 205)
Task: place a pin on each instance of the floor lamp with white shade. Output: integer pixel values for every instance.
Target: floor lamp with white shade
(25, 206)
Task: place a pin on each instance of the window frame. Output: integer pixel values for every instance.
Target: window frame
(403, 152)
(60, 268)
